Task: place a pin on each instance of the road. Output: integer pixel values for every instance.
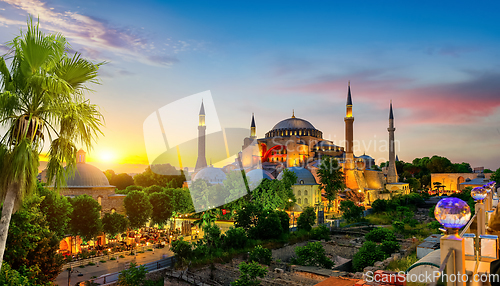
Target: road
(110, 266)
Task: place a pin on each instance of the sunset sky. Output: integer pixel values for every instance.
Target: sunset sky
(439, 62)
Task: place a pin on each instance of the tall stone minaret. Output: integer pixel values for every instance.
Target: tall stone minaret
(392, 173)
(202, 161)
(349, 120)
(253, 129)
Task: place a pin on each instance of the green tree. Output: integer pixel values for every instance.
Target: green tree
(11, 277)
(43, 90)
(161, 208)
(331, 178)
(496, 176)
(31, 246)
(380, 234)
(261, 255)
(235, 238)
(163, 175)
(109, 175)
(306, 219)
(248, 217)
(312, 254)
(249, 272)
(113, 224)
(350, 211)
(86, 217)
(183, 250)
(138, 208)
(133, 276)
(181, 200)
(153, 189)
(367, 255)
(57, 210)
(268, 226)
(121, 181)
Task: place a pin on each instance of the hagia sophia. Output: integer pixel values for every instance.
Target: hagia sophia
(295, 144)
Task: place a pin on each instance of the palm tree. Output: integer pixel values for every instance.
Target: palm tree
(41, 97)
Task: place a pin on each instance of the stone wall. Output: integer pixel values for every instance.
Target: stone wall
(451, 181)
(107, 197)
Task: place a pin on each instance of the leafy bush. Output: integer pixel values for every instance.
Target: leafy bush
(268, 227)
(379, 206)
(380, 234)
(312, 254)
(261, 255)
(398, 226)
(434, 225)
(389, 246)
(135, 276)
(285, 221)
(367, 255)
(182, 249)
(235, 238)
(249, 273)
(350, 211)
(306, 219)
(320, 232)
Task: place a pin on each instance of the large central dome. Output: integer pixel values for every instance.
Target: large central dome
(293, 123)
(294, 126)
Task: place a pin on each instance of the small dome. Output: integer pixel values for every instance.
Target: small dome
(211, 175)
(87, 176)
(304, 176)
(256, 176)
(293, 123)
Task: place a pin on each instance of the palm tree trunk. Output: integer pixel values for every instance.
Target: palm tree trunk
(8, 208)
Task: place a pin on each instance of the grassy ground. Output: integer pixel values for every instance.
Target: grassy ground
(403, 263)
(379, 219)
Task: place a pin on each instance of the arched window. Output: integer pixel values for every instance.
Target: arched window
(302, 182)
(299, 193)
(299, 201)
(306, 202)
(305, 192)
(99, 200)
(113, 211)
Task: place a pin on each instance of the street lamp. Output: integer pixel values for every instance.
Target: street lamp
(489, 196)
(453, 213)
(479, 194)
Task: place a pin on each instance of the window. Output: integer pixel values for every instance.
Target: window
(113, 211)
(302, 182)
(305, 193)
(306, 202)
(299, 201)
(99, 199)
(300, 193)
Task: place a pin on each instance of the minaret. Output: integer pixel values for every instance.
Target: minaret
(392, 173)
(252, 129)
(202, 161)
(349, 120)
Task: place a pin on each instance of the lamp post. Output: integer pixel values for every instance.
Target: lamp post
(489, 197)
(479, 194)
(453, 213)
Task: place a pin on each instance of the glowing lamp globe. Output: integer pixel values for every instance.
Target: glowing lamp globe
(478, 193)
(452, 212)
(487, 187)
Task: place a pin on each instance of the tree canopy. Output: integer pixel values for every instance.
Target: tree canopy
(86, 217)
(138, 208)
(42, 97)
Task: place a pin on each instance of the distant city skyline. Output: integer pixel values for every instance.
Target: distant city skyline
(438, 62)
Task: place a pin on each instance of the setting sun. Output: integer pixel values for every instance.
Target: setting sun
(107, 156)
